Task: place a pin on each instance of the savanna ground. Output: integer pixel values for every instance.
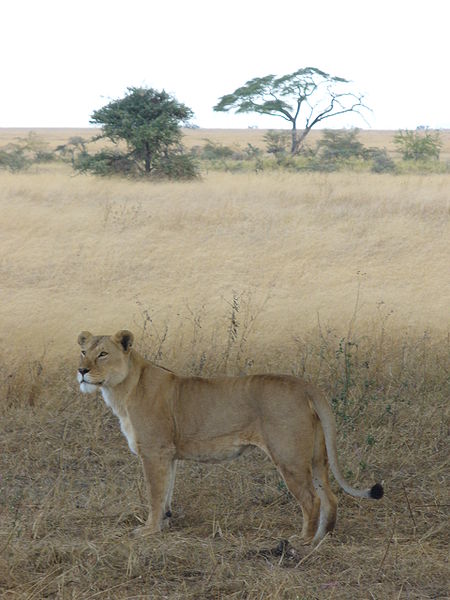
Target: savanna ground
(341, 278)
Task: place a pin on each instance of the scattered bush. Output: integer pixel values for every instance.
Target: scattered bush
(25, 152)
(13, 158)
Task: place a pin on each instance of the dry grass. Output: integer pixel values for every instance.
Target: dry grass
(238, 274)
(71, 493)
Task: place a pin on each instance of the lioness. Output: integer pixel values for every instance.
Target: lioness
(166, 417)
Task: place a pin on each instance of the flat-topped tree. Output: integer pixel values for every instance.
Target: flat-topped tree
(308, 95)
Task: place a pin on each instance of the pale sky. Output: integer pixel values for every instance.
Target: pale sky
(62, 59)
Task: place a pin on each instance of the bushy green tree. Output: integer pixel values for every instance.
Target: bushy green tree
(148, 123)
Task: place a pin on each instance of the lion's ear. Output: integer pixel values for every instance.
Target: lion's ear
(84, 337)
(124, 338)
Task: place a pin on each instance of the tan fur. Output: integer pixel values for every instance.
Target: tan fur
(166, 418)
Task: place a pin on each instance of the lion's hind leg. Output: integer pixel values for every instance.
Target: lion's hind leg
(297, 473)
(298, 479)
(328, 501)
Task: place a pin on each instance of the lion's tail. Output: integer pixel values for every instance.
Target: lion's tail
(329, 428)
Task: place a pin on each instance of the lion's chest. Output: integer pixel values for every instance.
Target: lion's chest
(128, 432)
(125, 423)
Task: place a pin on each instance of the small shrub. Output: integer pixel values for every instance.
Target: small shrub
(277, 142)
(381, 161)
(213, 151)
(43, 156)
(251, 152)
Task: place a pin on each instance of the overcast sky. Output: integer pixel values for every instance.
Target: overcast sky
(62, 59)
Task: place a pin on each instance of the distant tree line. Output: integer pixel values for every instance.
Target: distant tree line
(141, 134)
(335, 150)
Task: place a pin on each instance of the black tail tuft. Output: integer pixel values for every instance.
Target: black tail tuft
(377, 491)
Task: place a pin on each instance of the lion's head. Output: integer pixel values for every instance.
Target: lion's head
(104, 359)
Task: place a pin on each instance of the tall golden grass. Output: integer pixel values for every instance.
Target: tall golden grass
(80, 252)
(341, 278)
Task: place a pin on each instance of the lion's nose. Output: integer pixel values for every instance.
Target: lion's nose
(83, 371)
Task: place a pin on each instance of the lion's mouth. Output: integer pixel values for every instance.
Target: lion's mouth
(98, 383)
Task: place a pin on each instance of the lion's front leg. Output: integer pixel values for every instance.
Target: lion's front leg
(168, 503)
(158, 476)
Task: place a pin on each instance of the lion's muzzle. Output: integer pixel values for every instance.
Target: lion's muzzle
(86, 386)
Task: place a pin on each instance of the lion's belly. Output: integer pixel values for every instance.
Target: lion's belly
(210, 450)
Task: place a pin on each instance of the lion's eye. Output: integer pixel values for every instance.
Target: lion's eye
(102, 354)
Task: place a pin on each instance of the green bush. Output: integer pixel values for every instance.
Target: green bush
(340, 146)
(419, 145)
(104, 163)
(175, 166)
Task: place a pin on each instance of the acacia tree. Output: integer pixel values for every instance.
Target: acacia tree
(307, 94)
(149, 122)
